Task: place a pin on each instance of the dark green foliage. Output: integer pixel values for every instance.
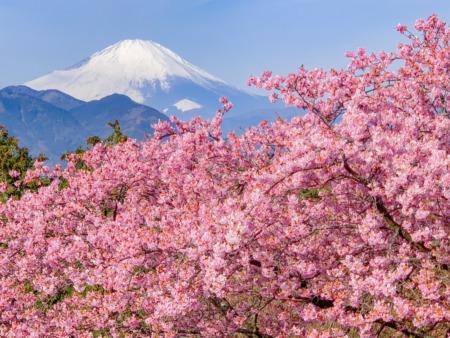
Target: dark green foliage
(101, 333)
(116, 136)
(309, 194)
(63, 183)
(93, 140)
(66, 291)
(13, 157)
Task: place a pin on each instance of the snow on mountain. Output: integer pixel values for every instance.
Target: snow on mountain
(186, 104)
(148, 73)
(126, 67)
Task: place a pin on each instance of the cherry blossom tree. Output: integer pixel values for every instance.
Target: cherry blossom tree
(335, 224)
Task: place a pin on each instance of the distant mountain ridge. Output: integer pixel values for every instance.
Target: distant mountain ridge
(53, 122)
(52, 96)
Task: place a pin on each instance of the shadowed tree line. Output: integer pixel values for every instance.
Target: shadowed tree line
(15, 161)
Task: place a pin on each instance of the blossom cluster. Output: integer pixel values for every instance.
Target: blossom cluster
(333, 224)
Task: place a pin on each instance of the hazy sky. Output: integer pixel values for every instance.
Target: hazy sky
(231, 39)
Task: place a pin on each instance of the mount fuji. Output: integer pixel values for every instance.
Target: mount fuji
(153, 75)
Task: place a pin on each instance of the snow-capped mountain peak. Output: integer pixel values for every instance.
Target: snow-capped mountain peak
(186, 104)
(126, 67)
(149, 60)
(151, 74)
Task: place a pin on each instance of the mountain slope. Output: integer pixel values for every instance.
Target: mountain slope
(135, 119)
(38, 119)
(39, 125)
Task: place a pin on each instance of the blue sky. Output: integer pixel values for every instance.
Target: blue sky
(231, 39)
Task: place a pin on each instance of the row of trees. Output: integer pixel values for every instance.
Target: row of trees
(308, 228)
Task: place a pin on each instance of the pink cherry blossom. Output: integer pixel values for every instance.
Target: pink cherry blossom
(14, 173)
(332, 224)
